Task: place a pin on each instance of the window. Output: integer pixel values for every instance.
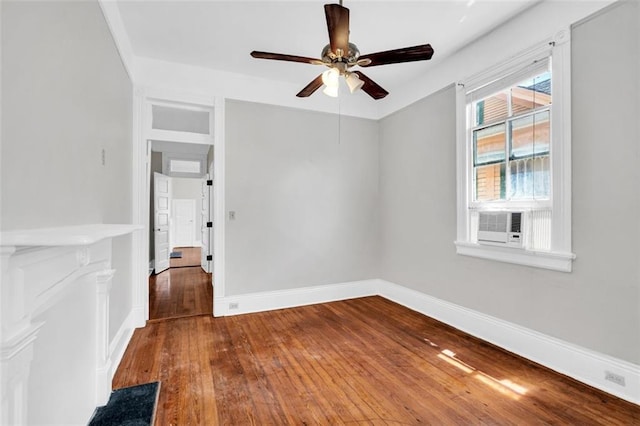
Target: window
(185, 166)
(176, 121)
(514, 156)
(181, 119)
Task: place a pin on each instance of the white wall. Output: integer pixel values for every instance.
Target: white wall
(597, 305)
(65, 97)
(304, 187)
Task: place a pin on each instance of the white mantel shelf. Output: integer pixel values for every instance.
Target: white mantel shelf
(79, 235)
(55, 283)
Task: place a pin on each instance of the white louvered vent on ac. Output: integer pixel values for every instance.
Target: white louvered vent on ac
(502, 228)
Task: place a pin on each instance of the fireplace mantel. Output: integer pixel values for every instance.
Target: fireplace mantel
(64, 236)
(55, 294)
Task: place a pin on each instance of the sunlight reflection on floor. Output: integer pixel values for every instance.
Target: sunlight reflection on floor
(504, 386)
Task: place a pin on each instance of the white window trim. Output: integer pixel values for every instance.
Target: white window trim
(560, 257)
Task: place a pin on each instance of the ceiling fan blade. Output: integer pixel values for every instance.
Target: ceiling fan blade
(288, 58)
(371, 87)
(338, 26)
(407, 54)
(311, 87)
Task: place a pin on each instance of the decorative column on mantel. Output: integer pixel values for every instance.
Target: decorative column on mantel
(38, 265)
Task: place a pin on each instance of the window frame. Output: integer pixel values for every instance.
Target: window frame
(559, 257)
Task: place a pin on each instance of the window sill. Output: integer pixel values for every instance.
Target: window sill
(539, 259)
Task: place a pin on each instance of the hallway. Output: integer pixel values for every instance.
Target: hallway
(183, 290)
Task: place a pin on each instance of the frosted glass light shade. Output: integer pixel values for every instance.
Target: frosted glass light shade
(330, 77)
(331, 91)
(354, 82)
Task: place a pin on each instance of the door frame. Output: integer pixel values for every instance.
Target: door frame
(141, 163)
(206, 198)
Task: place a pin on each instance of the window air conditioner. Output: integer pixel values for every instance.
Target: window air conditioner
(500, 228)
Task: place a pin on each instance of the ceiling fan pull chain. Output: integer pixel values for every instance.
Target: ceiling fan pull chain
(339, 122)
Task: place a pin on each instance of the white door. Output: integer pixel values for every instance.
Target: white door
(184, 215)
(206, 231)
(161, 214)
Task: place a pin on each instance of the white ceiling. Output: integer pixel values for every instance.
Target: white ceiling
(221, 34)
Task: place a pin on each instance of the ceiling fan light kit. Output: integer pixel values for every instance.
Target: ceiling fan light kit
(331, 91)
(331, 77)
(354, 82)
(340, 56)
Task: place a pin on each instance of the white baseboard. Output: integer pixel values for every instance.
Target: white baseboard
(271, 300)
(582, 364)
(119, 343)
(139, 317)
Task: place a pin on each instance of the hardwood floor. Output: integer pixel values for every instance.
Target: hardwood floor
(361, 361)
(180, 292)
(190, 257)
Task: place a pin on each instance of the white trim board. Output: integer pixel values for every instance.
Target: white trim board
(119, 33)
(118, 345)
(582, 364)
(115, 352)
(281, 299)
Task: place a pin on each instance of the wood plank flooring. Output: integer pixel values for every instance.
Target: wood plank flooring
(190, 257)
(362, 361)
(180, 292)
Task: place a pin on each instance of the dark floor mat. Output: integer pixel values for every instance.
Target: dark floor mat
(132, 406)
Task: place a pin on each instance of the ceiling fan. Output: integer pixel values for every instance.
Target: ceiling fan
(340, 56)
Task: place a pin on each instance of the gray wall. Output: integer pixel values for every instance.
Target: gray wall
(65, 97)
(305, 202)
(597, 306)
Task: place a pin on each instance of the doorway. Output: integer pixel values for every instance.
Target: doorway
(160, 115)
(180, 283)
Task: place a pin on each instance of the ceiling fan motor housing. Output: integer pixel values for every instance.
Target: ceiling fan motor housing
(351, 58)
